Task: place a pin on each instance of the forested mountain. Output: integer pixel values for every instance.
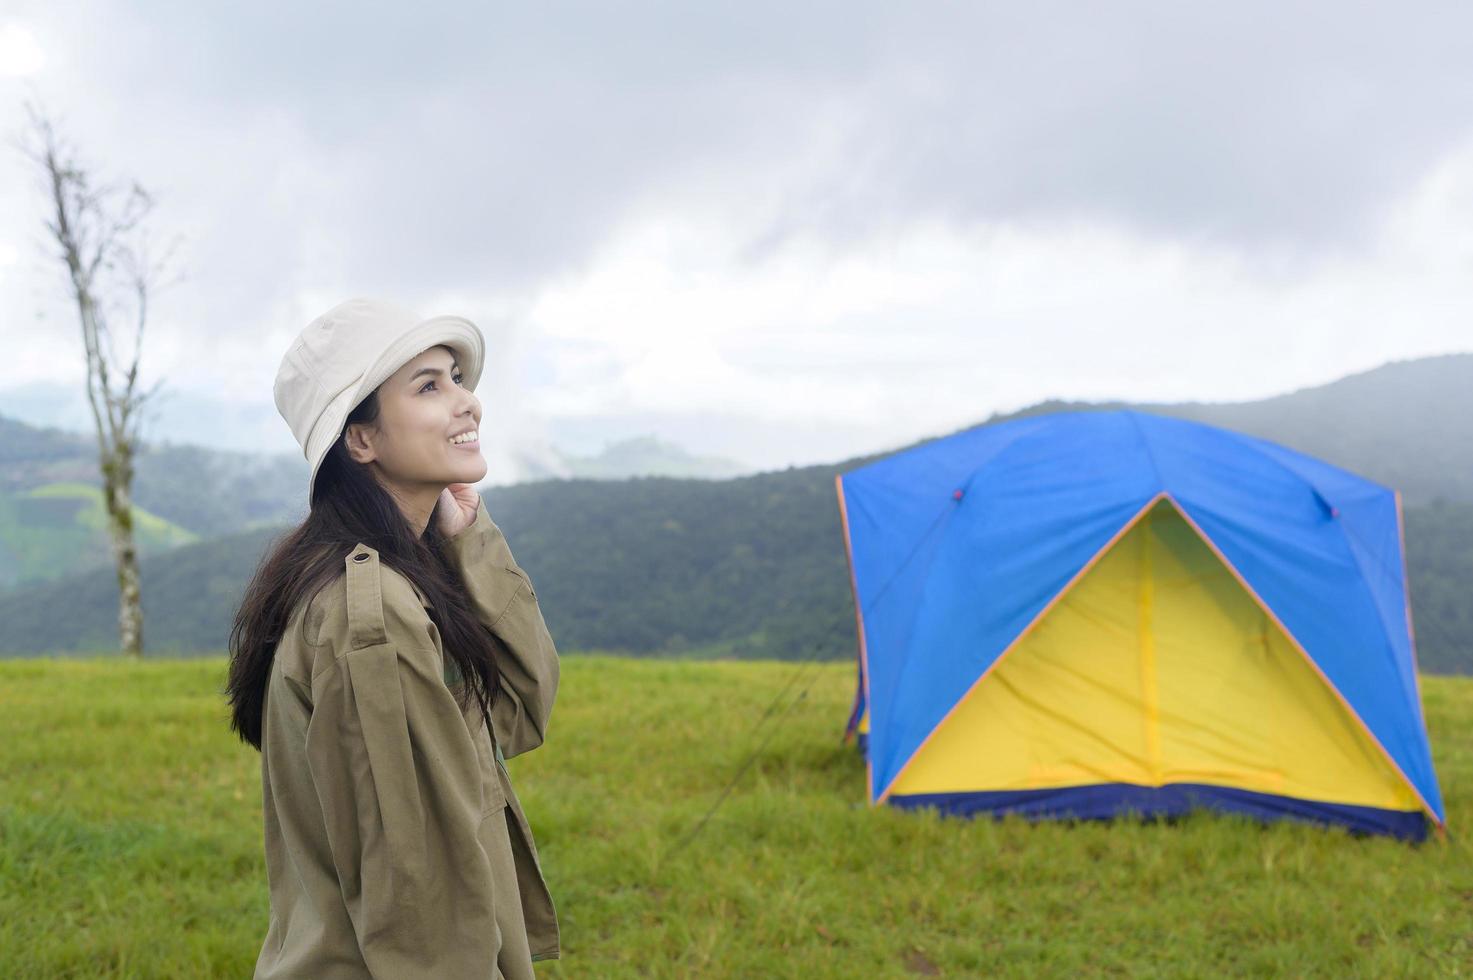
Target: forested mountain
(754, 566)
(204, 491)
(193, 492)
(657, 566)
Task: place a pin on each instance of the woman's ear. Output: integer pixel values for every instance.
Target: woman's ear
(360, 443)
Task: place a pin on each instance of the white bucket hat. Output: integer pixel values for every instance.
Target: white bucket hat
(342, 356)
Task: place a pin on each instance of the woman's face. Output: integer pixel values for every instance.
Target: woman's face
(421, 406)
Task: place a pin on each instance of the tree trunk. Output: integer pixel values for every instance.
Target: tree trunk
(125, 553)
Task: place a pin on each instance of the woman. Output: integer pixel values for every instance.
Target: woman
(388, 655)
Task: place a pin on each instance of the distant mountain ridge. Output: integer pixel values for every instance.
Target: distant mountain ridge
(754, 566)
(646, 455)
(226, 491)
(1407, 424)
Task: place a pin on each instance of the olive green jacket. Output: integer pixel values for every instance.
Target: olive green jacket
(395, 844)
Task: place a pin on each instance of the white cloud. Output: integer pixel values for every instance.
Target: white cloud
(930, 328)
(20, 53)
(841, 231)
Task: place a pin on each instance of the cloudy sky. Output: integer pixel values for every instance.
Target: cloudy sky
(781, 232)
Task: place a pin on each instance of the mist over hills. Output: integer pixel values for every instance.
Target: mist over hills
(247, 489)
(190, 492)
(754, 565)
(640, 456)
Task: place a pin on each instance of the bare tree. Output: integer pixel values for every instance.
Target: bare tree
(99, 235)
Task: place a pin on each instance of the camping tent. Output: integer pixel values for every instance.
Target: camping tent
(1088, 613)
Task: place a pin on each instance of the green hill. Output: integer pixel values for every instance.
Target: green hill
(754, 566)
(130, 846)
(1408, 424)
(60, 529)
(201, 490)
(190, 596)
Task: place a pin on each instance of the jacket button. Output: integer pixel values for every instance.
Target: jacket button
(361, 556)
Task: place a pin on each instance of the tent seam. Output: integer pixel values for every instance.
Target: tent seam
(1146, 443)
(1386, 630)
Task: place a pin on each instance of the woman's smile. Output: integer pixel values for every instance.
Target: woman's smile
(469, 441)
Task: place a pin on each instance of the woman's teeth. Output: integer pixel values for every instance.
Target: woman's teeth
(464, 438)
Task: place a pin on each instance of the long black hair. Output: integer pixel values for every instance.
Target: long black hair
(349, 506)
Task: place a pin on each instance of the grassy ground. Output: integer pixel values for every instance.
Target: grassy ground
(130, 846)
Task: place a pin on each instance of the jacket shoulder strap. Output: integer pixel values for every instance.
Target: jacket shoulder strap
(365, 598)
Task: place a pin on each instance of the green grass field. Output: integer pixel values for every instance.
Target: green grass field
(130, 846)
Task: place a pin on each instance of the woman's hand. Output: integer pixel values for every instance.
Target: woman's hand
(457, 508)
